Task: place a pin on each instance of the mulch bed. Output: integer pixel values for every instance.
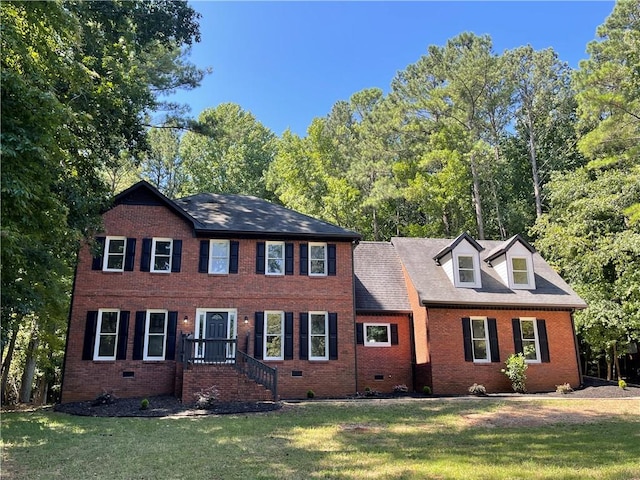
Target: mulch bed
(165, 406)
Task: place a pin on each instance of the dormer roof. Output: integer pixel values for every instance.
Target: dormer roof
(454, 243)
(503, 247)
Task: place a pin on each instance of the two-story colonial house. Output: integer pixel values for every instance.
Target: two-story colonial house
(262, 302)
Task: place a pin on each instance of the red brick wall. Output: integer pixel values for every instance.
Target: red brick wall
(452, 375)
(422, 342)
(231, 385)
(189, 290)
(393, 362)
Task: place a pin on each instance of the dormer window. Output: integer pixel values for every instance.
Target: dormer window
(513, 262)
(460, 260)
(519, 271)
(466, 269)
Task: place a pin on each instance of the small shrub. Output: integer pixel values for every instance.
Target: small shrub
(515, 371)
(310, 394)
(369, 392)
(104, 398)
(622, 384)
(144, 404)
(426, 390)
(207, 397)
(564, 388)
(478, 390)
(400, 389)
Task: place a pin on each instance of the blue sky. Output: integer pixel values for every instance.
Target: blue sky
(288, 62)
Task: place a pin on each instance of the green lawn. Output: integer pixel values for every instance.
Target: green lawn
(353, 440)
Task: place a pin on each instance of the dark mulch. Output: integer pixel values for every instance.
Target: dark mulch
(161, 406)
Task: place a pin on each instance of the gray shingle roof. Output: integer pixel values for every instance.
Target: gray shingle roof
(434, 287)
(380, 284)
(247, 215)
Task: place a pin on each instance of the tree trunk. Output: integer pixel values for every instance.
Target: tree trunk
(533, 158)
(616, 362)
(376, 232)
(6, 364)
(477, 200)
(29, 371)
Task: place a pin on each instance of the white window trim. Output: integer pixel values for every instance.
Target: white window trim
(105, 255)
(486, 339)
(153, 254)
(266, 259)
(264, 330)
(211, 257)
(537, 338)
(232, 327)
(520, 286)
(476, 271)
(318, 244)
(146, 336)
(376, 344)
(326, 335)
(96, 344)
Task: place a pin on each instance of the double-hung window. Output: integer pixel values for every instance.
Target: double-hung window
(106, 334)
(529, 337)
(161, 255)
(318, 336)
(520, 272)
(377, 334)
(480, 340)
(318, 259)
(273, 335)
(466, 270)
(155, 334)
(275, 258)
(114, 252)
(219, 257)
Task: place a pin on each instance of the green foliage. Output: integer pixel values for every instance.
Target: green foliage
(622, 384)
(310, 394)
(144, 404)
(426, 390)
(516, 366)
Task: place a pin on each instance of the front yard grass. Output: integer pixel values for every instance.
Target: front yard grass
(413, 439)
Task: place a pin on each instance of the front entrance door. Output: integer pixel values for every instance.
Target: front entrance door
(216, 329)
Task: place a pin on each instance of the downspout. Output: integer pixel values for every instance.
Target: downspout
(576, 346)
(66, 342)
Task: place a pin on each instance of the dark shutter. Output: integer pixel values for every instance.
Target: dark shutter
(172, 327)
(96, 264)
(304, 259)
(130, 255)
(176, 256)
(466, 337)
(89, 335)
(493, 339)
(333, 336)
(517, 335)
(360, 333)
(145, 257)
(304, 336)
(394, 334)
(331, 256)
(234, 248)
(288, 335)
(543, 341)
(123, 336)
(258, 343)
(138, 336)
(288, 258)
(260, 258)
(203, 259)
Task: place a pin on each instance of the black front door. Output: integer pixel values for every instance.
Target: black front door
(216, 329)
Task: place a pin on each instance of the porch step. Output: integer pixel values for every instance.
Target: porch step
(232, 385)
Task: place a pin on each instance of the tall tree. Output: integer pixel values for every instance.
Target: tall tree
(162, 165)
(232, 157)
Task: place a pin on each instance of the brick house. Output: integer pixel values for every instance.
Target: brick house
(265, 302)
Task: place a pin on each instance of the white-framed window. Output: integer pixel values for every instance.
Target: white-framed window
(273, 335)
(155, 333)
(161, 250)
(219, 257)
(318, 259)
(520, 272)
(274, 258)
(377, 334)
(530, 342)
(466, 270)
(318, 336)
(106, 334)
(480, 340)
(114, 252)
